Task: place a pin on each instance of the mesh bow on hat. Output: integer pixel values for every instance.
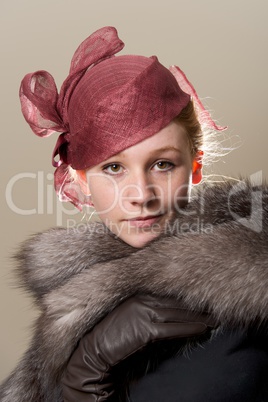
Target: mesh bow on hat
(105, 105)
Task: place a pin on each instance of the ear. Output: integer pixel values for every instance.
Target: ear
(197, 168)
(82, 179)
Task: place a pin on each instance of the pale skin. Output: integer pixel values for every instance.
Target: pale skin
(137, 191)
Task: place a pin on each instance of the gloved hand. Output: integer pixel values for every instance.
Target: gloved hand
(127, 329)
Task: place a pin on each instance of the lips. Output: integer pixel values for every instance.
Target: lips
(144, 221)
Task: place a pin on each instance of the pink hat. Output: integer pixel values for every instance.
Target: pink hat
(118, 103)
(105, 105)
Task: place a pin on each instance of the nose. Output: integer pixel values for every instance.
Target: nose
(139, 190)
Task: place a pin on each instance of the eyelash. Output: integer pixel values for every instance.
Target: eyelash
(169, 165)
(107, 168)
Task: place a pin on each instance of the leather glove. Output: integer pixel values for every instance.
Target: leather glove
(128, 328)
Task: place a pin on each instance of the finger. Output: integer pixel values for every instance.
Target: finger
(156, 301)
(173, 314)
(183, 312)
(177, 330)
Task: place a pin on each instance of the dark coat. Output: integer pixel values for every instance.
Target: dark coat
(215, 257)
(232, 366)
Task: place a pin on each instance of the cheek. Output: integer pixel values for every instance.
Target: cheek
(178, 184)
(104, 196)
(177, 188)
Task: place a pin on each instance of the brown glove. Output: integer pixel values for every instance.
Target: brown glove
(128, 328)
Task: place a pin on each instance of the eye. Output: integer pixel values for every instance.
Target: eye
(113, 169)
(163, 165)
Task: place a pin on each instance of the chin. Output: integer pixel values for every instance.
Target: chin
(139, 240)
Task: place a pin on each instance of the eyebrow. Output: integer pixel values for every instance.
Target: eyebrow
(164, 149)
(156, 151)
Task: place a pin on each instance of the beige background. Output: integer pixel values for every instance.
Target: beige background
(221, 45)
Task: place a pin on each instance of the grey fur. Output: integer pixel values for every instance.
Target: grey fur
(215, 257)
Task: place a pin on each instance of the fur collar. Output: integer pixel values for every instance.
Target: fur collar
(214, 257)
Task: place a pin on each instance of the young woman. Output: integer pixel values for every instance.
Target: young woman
(122, 300)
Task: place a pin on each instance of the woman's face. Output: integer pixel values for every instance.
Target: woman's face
(136, 192)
